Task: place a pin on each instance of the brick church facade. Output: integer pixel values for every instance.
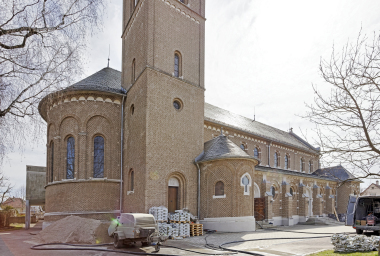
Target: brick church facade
(126, 141)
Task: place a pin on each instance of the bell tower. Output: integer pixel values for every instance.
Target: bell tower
(163, 72)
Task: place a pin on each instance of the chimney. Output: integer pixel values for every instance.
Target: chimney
(377, 182)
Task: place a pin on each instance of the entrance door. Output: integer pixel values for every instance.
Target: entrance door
(173, 199)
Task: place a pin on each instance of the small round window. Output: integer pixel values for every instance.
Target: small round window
(177, 104)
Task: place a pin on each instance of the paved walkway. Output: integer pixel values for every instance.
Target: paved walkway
(18, 242)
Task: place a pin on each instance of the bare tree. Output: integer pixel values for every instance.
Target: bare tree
(5, 188)
(20, 192)
(347, 120)
(41, 45)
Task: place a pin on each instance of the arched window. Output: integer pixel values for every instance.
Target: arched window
(276, 159)
(52, 162)
(133, 71)
(219, 188)
(286, 162)
(256, 153)
(70, 158)
(273, 191)
(302, 163)
(242, 146)
(291, 191)
(310, 167)
(245, 182)
(99, 157)
(177, 64)
(131, 180)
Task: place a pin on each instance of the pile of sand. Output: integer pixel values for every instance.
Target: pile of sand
(75, 230)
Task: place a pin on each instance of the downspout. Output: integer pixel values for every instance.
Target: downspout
(121, 153)
(199, 190)
(269, 153)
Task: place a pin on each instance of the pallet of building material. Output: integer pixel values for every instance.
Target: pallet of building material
(160, 213)
(196, 229)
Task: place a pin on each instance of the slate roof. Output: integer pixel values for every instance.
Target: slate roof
(338, 173)
(223, 117)
(289, 172)
(221, 148)
(107, 79)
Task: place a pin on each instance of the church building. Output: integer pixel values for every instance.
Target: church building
(127, 141)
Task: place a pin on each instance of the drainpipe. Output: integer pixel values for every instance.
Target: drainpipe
(121, 153)
(199, 190)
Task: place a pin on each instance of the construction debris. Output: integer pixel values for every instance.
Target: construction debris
(76, 230)
(357, 243)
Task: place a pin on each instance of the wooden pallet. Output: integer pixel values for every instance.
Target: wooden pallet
(200, 234)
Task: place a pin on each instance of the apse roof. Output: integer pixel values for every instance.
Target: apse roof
(226, 118)
(107, 79)
(338, 173)
(221, 148)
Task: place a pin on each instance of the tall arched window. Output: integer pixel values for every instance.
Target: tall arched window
(70, 158)
(310, 167)
(51, 162)
(99, 157)
(219, 188)
(273, 191)
(302, 167)
(256, 153)
(177, 64)
(275, 159)
(131, 180)
(291, 191)
(242, 146)
(133, 71)
(286, 162)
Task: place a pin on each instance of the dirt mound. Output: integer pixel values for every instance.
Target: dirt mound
(75, 230)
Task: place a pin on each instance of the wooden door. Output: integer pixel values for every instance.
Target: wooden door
(259, 208)
(173, 199)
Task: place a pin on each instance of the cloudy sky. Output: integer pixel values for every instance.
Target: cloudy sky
(260, 55)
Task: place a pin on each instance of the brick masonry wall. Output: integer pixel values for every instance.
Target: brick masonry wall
(82, 115)
(81, 197)
(343, 193)
(235, 203)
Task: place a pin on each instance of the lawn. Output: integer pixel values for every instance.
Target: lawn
(332, 253)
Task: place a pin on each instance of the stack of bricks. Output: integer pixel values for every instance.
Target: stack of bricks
(180, 217)
(159, 213)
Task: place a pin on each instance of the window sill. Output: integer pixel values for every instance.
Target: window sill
(215, 197)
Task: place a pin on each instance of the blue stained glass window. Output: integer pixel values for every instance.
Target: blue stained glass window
(70, 162)
(99, 157)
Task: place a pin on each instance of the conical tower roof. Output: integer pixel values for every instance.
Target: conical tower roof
(107, 79)
(222, 148)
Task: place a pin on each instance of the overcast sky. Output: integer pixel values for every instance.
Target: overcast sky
(261, 55)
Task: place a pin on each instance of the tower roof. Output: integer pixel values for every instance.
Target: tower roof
(107, 79)
(221, 148)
